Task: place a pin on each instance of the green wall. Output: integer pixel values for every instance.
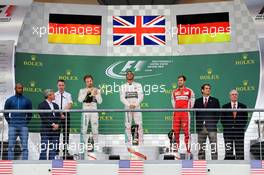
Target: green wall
(159, 76)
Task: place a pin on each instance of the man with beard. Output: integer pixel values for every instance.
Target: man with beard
(17, 122)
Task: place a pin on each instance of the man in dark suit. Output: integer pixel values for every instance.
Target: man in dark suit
(49, 130)
(234, 126)
(206, 122)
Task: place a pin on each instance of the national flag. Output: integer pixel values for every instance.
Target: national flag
(64, 167)
(193, 167)
(6, 167)
(257, 167)
(139, 30)
(74, 29)
(130, 167)
(203, 28)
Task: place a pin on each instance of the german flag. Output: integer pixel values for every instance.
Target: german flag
(74, 29)
(203, 28)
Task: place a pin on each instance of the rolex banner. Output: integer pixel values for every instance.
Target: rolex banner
(157, 74)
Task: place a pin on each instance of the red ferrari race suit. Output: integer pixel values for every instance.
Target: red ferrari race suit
(182, 98)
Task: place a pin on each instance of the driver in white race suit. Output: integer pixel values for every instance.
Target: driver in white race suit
(89, 96)
(131, 95)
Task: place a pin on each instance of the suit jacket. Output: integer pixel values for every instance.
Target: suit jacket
(209, 118)
(48, 118)
(233, 125)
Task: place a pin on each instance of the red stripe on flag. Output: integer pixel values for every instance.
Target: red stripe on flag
(6, 167)
(214, 27)
(81, 29)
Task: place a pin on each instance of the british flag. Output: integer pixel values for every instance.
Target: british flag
(139, 30)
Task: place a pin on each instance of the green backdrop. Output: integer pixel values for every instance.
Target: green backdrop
(158, 76)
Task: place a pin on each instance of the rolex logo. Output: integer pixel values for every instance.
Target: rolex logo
(209, 71)
(68, 75)
(33, 62)
(245, 82)
(244, 60)
(68, 72)
(32, 84)
(209, 75)
(246, 86)
(33, 57)
(245, 56)
(32, 87)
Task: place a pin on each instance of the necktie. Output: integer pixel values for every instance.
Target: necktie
(205, 102)
(234, 112)
(61, 102)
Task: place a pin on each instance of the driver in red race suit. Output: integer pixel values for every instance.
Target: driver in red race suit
(182, 97)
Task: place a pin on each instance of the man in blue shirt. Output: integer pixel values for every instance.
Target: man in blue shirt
(17, 122)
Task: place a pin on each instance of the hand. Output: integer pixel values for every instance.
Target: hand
(62, 116)
(94, 92)
(68, 106)
(55, 126)
(89, 92)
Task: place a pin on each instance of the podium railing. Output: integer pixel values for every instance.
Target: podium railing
(107, 131)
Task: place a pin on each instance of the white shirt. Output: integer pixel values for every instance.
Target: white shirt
(66, 99)
(51, 106)
(205, 98)
(232, 104)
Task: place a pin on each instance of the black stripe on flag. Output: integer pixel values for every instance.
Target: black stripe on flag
(202, 18)
(74, 19)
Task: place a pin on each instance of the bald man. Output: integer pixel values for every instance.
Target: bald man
(234, 126)
(17, 122)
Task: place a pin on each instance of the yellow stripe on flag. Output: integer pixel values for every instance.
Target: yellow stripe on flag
(74, 39)
(204, 38)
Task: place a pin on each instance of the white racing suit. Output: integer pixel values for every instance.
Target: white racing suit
(132, 94)
(93, 116)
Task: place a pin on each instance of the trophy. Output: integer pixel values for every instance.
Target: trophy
(135, 135)
(89, 97)
(171, 136)
(90, 142)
